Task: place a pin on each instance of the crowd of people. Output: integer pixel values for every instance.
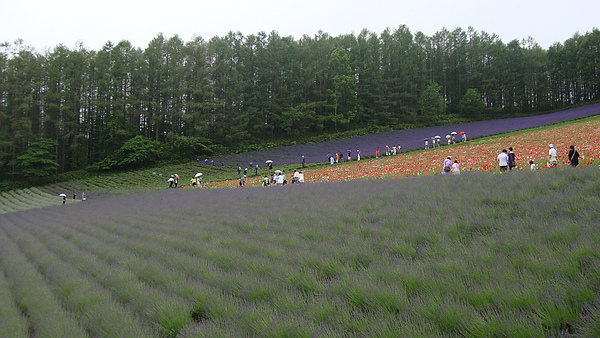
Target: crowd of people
(507, 158)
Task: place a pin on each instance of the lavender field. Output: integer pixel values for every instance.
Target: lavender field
(473, 255)
(409, 139)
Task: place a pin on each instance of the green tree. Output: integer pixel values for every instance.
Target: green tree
(37, 162)
(472, 104)
(343, 88)
(431, 102)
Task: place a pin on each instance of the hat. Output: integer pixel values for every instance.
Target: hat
(551, 145)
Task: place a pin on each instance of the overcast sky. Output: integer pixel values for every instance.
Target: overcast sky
(45, 24)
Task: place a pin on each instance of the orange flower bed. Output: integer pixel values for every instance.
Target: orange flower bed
(472, 155)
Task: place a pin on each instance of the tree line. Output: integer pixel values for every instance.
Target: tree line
(80, 107)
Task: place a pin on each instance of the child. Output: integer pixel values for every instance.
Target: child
(532, 165)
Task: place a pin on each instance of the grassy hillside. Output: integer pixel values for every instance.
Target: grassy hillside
(471, 255)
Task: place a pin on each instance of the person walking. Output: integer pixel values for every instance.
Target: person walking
(511, 159)
(552, 156)
(503, 160)
(243, 181)
(573, 156)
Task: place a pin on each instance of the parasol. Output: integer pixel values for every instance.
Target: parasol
(198, 175)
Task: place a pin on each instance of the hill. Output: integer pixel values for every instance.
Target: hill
(470, 255)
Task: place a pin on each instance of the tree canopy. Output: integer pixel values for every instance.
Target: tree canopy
(233, 91)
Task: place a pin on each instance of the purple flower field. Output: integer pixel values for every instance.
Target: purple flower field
(363, 258)
(409, 139)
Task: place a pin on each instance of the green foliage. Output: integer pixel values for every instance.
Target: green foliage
(188, 147)
(431, 101)
(136, 152)
(472, 103)
(38, 161)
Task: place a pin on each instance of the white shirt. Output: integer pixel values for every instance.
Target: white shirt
(503, 159)
(552, 152)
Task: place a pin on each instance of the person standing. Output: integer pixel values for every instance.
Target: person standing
(552, 156)
(447, 165)
(243, 181)
(511, 159)
(573, 156)
(377, 151)
(357, 155)
(176, 180)
(503, 160)
(303, 162)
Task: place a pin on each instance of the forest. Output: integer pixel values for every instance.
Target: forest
(69, 109)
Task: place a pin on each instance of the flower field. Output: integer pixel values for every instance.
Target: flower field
(473, 255)
(479, 154)
(409, 139)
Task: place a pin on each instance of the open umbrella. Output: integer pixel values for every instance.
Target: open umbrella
(453, 133)
(438, 136)
(426, 139)
(198, 175)
(62, 195)
(462, 133)
(278, 171)
(268, 161)
(448, 136)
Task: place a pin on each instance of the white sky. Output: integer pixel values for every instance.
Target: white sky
(44, 24)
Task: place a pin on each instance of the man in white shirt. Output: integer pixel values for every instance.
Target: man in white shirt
(503, 160)
(552, 157)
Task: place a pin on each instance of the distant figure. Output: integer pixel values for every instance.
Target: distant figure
(171, 180)
(455, 168)
(377, 151)
(532, 165)
(303, 162)
(447, 165)
(357, 155)
(426, 144)
(64, 199)
(243, 181)
(573, 156)
(74, 196)
(245, 171)
(301, 178)
(552, 156)
(239, 170)
(503, 160)
(511, 158)
(265, 181)
(256, 169)
(270, 165)
(464, 137)
(83, 195)
(176, 180)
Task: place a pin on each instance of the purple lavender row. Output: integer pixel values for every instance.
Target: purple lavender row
(409, 139)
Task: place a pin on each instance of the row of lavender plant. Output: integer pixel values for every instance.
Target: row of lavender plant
(409, 139)
(47, 317)
(428, 256)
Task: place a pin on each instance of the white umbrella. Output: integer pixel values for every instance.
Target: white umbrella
(198, 175)
(438, 136)
(268, 161)
(62, 195)
(453, 133)
(278, 171)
